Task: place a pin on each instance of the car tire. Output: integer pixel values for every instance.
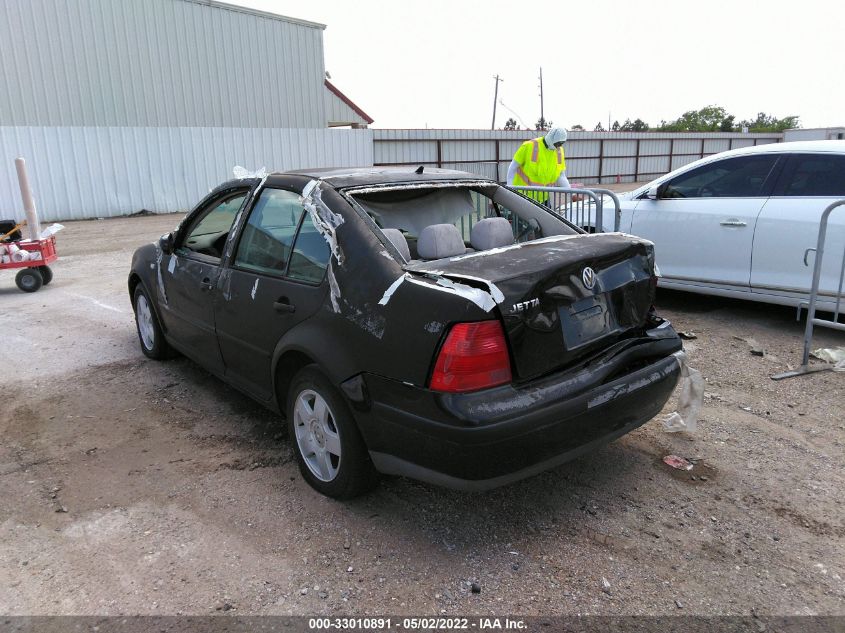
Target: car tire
(330, 451)
(150, 334)
(46, 273)
(29, 279)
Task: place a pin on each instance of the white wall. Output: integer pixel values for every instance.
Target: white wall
(157, 63)
(79, 172)
(815, 134)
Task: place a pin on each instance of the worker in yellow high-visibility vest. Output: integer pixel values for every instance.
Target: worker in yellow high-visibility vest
(540, 163)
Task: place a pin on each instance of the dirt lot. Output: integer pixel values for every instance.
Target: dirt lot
(137, 487)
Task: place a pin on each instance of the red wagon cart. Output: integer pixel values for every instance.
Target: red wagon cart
(34, 270)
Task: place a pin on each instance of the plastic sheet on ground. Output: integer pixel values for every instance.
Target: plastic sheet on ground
(689, 402)
(830, 354)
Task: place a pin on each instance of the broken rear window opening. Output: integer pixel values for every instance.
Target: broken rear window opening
(434, 222)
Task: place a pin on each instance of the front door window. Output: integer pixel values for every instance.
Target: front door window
(741, 177)
(207, 234)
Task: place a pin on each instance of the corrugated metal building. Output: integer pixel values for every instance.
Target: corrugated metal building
(120, 105)
(123, 105)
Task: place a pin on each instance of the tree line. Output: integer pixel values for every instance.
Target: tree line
(708, 119)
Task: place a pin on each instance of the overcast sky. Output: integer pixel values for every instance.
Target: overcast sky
(431, 63)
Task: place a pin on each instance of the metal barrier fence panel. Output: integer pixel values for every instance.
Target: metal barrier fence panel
(583, 207)
(591, 157)
(812, 321)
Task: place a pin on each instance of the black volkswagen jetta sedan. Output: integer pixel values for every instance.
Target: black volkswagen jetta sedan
(424, 323)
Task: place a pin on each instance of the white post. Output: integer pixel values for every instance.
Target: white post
(28, 202)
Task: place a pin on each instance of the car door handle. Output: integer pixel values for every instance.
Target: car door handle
(284, 305)
(206, 284)
(807, 252)
(732, 222)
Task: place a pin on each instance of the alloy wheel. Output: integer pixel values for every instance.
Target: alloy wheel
(317, 435)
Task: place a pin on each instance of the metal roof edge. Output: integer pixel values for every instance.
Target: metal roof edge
(217, 4)
(335, 91)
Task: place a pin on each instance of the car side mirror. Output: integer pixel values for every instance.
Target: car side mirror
(166, 242)
(653, 193)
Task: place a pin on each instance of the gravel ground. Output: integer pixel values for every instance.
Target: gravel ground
(129, 486)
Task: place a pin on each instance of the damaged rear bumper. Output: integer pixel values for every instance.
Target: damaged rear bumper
(486, 439)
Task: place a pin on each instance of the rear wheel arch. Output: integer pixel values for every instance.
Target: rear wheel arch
(285, 368)
(332, 456)
(322, 344)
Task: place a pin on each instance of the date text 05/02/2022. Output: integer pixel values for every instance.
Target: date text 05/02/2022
(415, 624)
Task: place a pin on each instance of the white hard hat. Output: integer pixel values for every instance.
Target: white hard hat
(555, 135)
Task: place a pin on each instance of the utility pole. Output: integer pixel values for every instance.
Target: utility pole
(495, 99)
(542, 117)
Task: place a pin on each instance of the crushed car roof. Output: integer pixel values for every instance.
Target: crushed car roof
(342, 178)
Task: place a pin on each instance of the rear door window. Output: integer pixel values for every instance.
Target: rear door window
(310, 256)
(813, 175)
(268, 235)
(741, 177)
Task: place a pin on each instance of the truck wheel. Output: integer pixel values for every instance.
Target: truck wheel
(29, 279)
(149, 330)
(46, 273)
(331, 454)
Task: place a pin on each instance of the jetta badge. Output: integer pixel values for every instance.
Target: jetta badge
(524, 306)
(589, 278)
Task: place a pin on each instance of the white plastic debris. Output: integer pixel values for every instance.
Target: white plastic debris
(242, 172)
(334, 289)
(327, 223)
(51, 230)
(482, 299)
(390, 290)
(18, 255)
(689, 402)
(323, 218)
(830, 354)
(674, 423)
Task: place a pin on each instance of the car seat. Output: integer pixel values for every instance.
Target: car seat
(491, 233)
(440, 240)
(399, 241)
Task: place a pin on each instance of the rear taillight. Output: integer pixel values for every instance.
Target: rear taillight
(474, 356)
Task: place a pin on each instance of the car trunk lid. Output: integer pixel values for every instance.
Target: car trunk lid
(562, 297)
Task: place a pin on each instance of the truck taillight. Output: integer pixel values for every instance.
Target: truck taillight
(474, 356)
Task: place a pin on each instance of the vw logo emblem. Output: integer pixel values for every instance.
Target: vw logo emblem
(589, 278)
